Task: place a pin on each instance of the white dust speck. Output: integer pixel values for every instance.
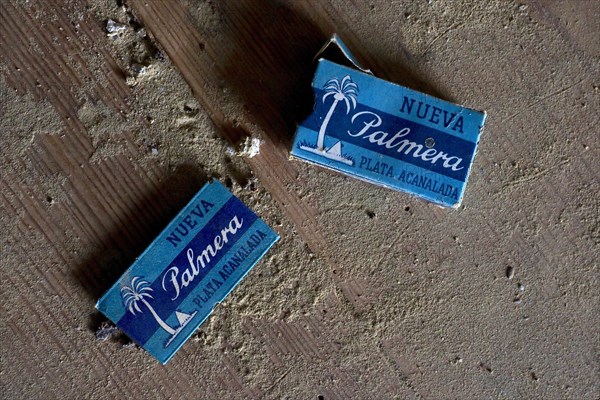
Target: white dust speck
(250, 147)
(114, 28)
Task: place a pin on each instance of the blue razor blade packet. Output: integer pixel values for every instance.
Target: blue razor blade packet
(387, 134)
(190, 267)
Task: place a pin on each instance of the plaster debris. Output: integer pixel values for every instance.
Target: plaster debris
(129, 345)
(250, 147)
(138, 69)
(510, 272)
(230, 151)
(114, 28)
(106, 331)
(141, 34)
(457, 360)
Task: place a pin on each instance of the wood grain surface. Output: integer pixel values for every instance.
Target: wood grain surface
(73, 219)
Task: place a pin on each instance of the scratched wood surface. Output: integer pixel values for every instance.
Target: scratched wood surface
(113, 208)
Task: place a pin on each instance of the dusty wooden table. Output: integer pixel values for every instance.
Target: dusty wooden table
(371, 294)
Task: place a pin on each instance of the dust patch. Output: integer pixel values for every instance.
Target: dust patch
(22, 118)
(26, 122)
(163, 118)
(106, 129)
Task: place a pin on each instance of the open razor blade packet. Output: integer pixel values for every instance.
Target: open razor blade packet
(190, 267)
(387, 134)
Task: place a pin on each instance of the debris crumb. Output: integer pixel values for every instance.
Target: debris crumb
(534, 376)
(510, 272)
(114, 28)
(106, 331)
(230, 151)
(457, 360)
(138, 69)
(129, 345)
(250, 147)
(486, 367)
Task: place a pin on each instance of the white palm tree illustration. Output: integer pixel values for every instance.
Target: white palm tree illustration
(137, 292)
(345, 90)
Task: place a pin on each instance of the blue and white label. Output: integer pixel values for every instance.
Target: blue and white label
(389, 135)
(190, 267)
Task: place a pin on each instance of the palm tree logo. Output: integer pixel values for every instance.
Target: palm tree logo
(345, 91)
(138, 292)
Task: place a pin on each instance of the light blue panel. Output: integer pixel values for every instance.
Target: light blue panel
(388, 97)
(359, 120)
